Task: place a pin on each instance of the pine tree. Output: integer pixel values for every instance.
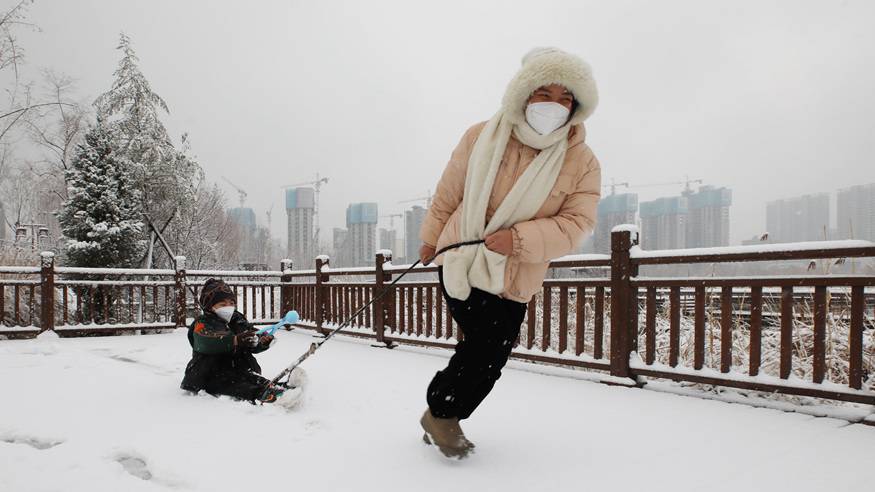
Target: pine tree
(166, 176)
(101, 217)
(170, 180)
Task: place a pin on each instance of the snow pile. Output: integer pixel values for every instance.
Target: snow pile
(107, 414)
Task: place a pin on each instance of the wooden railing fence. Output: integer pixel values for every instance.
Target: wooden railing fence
(808, 335)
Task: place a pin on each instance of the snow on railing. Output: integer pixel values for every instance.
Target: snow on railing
(19, 269)
(748, 279)
(349, 270)
(584, 257)
(234, 273)
(630, 228)
(35, 281)
(247, 283)
(119, 283)
(764, 249)
(113, 271)
(389, 267)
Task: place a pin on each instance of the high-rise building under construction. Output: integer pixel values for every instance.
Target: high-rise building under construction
(244, 218)
(361, 222)
(708, 219)
(664, 223)
(300, 208)
(613, 210)
(801, 218)
(856, 212)
(413, 220)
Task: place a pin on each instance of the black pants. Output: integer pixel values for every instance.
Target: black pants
(238, 383)
(490, 326)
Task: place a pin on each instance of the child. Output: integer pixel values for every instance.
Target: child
(222, 344)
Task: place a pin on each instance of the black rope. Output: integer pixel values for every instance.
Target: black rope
(287, 372)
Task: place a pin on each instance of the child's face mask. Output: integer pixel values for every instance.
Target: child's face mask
(225, 312)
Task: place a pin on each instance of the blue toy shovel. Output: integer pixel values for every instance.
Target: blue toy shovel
(289, 319)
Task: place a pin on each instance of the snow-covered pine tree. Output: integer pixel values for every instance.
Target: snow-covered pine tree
(165, 176)
(102, 216)
(171, 181)
(131, 109)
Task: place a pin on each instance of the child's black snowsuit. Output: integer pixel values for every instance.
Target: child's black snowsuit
(218, 366)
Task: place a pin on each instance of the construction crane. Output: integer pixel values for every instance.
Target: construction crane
(242, 193)
(614, 186)
(269, 213)
(686, 182)
(427, 200)
(317, 185)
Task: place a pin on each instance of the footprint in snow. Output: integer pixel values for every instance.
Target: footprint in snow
(34, 442)
(134, 466)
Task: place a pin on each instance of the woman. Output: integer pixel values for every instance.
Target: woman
(526, 182)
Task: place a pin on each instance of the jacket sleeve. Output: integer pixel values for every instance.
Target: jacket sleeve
(548, 238)
(240, 324)
(450, 188)
(209, 338)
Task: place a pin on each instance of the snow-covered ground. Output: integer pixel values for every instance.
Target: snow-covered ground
(96, 414)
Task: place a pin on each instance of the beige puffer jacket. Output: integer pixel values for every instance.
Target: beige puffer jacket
(559, 227)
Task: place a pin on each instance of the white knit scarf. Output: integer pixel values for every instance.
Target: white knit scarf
(476, 266)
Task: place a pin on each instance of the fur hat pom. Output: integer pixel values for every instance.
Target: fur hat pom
(545, 66)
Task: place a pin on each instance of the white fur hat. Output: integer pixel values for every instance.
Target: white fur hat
(545, 66)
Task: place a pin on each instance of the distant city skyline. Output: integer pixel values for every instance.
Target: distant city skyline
(695, 218)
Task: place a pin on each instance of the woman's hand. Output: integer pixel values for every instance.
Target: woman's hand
(426, 252)
(501, 242)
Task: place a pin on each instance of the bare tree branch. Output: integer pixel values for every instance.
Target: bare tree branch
(34, 106)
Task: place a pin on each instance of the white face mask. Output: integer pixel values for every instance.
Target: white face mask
(225, 312)
(545, 117)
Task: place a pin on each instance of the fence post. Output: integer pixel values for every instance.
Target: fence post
(622, 307)
(47, 292)
(633, 306)
(179, 277)
(321, 278)
(380, 305)
(285, 287)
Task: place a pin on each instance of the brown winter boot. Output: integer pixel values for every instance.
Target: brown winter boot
(446, 434)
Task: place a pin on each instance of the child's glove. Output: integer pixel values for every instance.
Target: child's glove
(247, 339)
(266, 341)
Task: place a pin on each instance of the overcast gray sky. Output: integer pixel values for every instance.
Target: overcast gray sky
(770, 98)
